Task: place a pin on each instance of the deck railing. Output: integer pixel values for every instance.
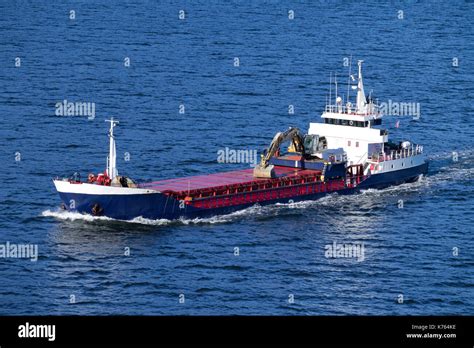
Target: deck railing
(411, 151)
(269, 194)
(285, 192)
(371, 110)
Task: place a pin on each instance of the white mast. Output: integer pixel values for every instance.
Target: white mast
(112, 159)
(361, 101)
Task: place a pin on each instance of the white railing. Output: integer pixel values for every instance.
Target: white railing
(414, 150)
(371, 109)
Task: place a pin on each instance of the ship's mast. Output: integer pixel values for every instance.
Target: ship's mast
(361, 101)
(112, 159)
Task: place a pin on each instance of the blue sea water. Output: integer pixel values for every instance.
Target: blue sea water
(423, 251)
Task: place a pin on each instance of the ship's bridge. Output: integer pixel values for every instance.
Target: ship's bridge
(346, 115)
(351, 127)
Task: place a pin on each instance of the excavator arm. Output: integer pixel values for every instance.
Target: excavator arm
(264, 169)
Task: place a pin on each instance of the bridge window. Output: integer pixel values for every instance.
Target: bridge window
(338, 121)
(348, 143)
(357, 144)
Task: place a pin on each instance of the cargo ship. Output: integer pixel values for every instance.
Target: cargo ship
(347, 152)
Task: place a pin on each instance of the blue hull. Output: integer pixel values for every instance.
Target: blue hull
(380, 181)
(160, 206)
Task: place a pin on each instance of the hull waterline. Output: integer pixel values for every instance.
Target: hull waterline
(157, 205)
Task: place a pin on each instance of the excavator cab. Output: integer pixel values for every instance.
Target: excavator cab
(310, 144)
(313, 144)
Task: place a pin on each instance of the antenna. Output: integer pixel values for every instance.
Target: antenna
(113, 123)
(330, 88)
(349, 78)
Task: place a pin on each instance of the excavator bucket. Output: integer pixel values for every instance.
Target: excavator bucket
(264, 172)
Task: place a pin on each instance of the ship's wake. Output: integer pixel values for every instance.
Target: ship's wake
(74, 216)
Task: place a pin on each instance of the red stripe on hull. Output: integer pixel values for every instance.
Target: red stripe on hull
(267, 195)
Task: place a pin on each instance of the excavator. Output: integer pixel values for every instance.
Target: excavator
(305, 145)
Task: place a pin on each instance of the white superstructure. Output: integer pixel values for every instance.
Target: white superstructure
(352, 129)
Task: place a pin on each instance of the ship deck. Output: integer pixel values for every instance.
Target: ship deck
(233, 178)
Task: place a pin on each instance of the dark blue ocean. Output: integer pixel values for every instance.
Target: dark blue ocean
(423, 252)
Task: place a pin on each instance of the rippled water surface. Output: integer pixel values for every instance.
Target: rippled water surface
(408, 251)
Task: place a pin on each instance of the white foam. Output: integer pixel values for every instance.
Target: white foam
(75, 216)
(446, 155)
